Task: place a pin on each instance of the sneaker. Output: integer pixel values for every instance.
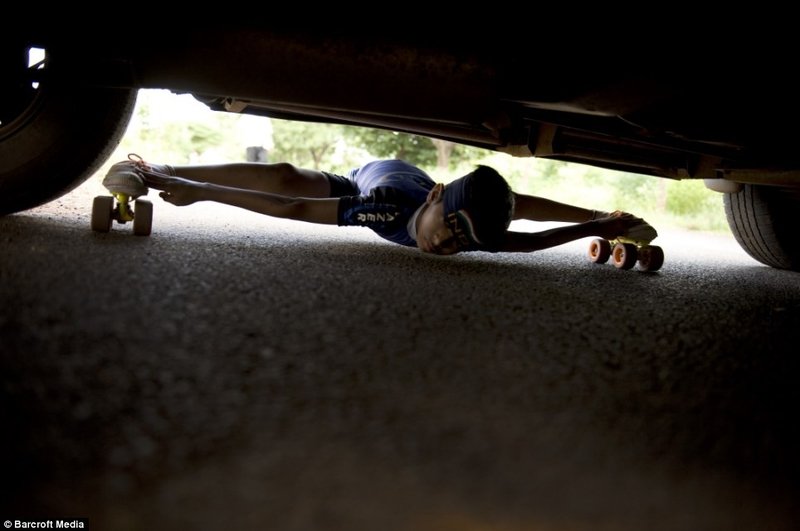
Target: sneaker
(642, 231)
(126, 177)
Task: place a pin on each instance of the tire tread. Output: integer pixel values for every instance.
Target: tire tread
(763, 223)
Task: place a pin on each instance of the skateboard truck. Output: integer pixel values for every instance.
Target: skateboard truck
(117, 207)
(625, 253)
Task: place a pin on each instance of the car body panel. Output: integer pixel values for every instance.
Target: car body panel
(678, 111)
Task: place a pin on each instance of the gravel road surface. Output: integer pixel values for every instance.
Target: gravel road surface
(233, 371)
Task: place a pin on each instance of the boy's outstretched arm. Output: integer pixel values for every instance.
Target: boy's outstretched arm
(540, 209)
(610, 227)
(182, 192)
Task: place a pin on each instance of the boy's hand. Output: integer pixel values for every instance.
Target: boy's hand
(157, 180)
(176, 190)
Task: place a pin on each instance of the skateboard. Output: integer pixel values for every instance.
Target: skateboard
(625, 252)
(122, 209)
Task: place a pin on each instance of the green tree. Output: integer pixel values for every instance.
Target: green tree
(202, 136)
(691, 198)
(450, 154)
(383, 144)
(444, 150)
(418, 150)
(305, 144)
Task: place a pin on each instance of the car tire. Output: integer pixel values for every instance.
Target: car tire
(765, 222)
(53, 137)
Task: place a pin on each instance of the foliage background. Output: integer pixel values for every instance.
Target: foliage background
(180, 130)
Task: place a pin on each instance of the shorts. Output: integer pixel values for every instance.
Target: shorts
(341, 186)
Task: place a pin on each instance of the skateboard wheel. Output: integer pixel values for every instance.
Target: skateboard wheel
(624, 255)
(142, 217)
(102, 213)
(651, 258)
(599, 251)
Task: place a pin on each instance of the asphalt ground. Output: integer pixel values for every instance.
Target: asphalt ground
(233, 371)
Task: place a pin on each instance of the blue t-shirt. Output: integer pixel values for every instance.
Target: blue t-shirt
(390, 192)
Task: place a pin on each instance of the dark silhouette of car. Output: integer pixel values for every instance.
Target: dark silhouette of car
(722, 113)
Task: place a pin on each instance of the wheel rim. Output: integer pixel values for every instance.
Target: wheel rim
(599, 251)
(20, 86)
(624, 255)
(619, 254)
(594, 250)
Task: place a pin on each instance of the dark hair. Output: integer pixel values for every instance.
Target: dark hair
(491, 205)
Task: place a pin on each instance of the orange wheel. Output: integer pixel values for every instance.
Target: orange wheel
(599, 251)
(624, 255)
(651, 258)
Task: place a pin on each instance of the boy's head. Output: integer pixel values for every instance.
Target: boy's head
(469, 214)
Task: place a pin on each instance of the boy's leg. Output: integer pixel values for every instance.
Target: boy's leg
(281, 178)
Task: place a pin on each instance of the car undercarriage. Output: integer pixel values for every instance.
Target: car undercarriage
(715, 114)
